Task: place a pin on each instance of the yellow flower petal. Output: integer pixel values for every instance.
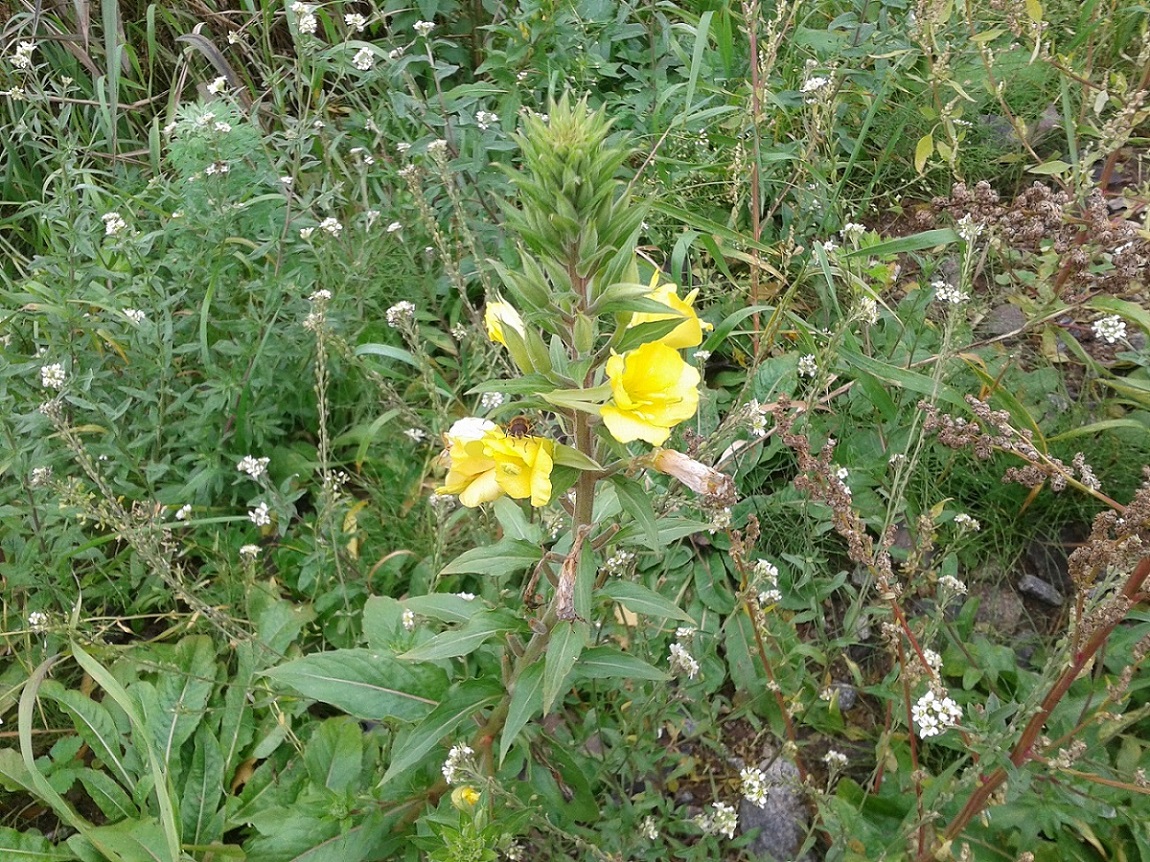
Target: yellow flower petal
(523, 466)
(499, 315)
(653, 390)
(689, 333)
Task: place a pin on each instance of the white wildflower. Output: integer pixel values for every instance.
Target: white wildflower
(852, 232)
(254, 467)
(184, 512)
(808, 366)
(249, 552)
(394, 227)
(416, 435)
(37, 621)
(701, 356)
(135, 315)
(218, 86)
(40, 477)
(835, 759)
(113, 224)
(618, 562)
(486, 119)
(456, 757)
(423, 28)
(437, 149)
(306, 232)
(814, 83)
(53, 376)
(331, 226)
(682, 663)
(491, 400)
(396, 53)
(400, 313)
(944, 292)
(650, 828)
(723, 819)
(260, 516)
(934, 714)
(22, 57)
(952, 584)
(968, 228)
(409, 619)
(363, 60)
(830, 246)
(868, 310)
(355, 22)
(754, 786)
(1110, 329)
(964, 522)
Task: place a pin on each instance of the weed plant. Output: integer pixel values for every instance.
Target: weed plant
(569, 430)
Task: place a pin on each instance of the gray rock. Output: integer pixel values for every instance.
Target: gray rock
(783, 820)
(847, 695)
(1039, 589)
(1002, 319)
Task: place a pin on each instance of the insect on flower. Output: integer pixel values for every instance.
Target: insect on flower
(519, 427)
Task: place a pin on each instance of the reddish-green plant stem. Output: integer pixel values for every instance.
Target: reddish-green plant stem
(1023, 749)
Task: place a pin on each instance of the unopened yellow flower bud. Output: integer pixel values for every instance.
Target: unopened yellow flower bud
(464, 798)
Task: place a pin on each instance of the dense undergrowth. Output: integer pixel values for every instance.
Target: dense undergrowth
(733, 320)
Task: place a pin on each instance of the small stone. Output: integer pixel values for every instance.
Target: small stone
(1037, 588)
(1001, 320)
(846, 694)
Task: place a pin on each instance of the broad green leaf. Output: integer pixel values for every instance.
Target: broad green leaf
(568, 639)
(202, 794)
(95, 726)
(502, 558)
(637, 503)
(526, 702)
(466, 639)
(670, 530)
(922, 151)
(300, 836)
(334, 754)
(569, 456)
(464, 700)
(643, 600)
(182, 694)
(514, 523)
(382, 622)
(636, 336)
(365, 683)
(388, 352)
(112, 800)
(608, 662)
(133, 841)
(907, 379)
(30, 846)
(1034, 10)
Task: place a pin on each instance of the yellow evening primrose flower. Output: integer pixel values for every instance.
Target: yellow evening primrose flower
(689, 333)
(522, 465)
(497, 316)
(653, 390)
(472, 472)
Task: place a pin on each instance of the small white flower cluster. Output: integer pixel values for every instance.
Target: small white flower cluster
(830, 246)
(331, 226)
(808, 366)
(415, 435)
(723, 819)
(400, 314)
(811, 87)
(22, 57)
(437, 149)
(945, 292)
(964, 522)
(485, 120)
(395, 227)
(441, 503)
(490, 400)
(40, 477)
(650, 828)
(933, 660)
(754, 786)
(952, 584)
(217, 169)
(260, 515)
(934, 714)
(37, 621)
(408, 619)
(113, 224)
(305, 19)
(757, 417)
(456, 758)
(249, 552)
(681, 661)
(1110, 329)
(135, 315)
(363, 60)
(53, 376)
(852, 232)
(618, 562)
(355, 22)
(835, 759)
(254, 467)
(842, 474)
(366, 158)
(720, 520)
(868, 310)
(184, 512)
(766, 576)
(969, 229)
(423, 28)
(219, 85)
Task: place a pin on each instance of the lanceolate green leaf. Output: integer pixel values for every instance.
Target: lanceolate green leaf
(30, 846)
(637, 503)
(466, 639)
(643, 600)
(95, 727)
(365, 683)
(526, 702)
(567, 641)
(464, 700)
(502, 558)
(608, 662)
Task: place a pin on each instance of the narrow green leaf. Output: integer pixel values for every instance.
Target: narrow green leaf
(502, 558)
(903, 244)
(445, 607)
(466, 639)
(461, 702)
(1054, 166)
(1098, 427)
(608, 662)
(569, 456)
(724, 329)
(95, 726)
(907, 379)
(643, 600)
(112, 800)
(388, 352)
(365, 683)
(568, 639)
(30, 846)
(202, 794)
(526, 703)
